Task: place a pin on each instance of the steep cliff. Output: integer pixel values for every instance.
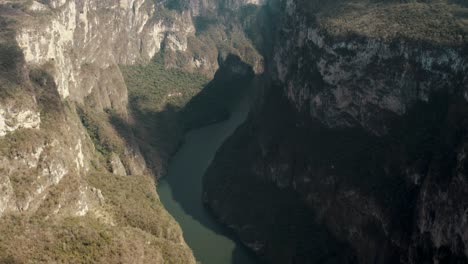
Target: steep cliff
(58, 198)
(76, 183)
(355, 151)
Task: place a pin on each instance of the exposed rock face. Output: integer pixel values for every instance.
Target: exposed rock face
(13, 119)
(63, 161)
(204, 7)
(69, 51)
(80, 44)
(39, 150)
(364, 124)
(82, 38)
(352, 87)
(236, 4)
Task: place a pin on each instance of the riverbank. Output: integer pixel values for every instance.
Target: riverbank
(181, 191)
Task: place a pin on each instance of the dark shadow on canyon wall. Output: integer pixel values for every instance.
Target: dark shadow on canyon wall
(280, 161)
(159, 134)
(280, 222)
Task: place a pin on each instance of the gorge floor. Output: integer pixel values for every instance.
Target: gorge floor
(181, 192)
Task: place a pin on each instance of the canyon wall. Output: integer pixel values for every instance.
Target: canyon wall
(354, 152)
(84, 41)
(69, 173)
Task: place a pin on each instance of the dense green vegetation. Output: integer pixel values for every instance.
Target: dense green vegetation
(156, 95)
(141, 228)
(104, 139)
(438, 23)
(178, 5)
(10, 55)
(151, 87)
(167, 102)
(10, 59)
(202, 23)
(134, 202)
(130, 223)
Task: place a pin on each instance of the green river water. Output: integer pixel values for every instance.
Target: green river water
(181, 192)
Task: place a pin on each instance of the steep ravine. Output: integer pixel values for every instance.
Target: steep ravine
(78, 166)
(355, 151)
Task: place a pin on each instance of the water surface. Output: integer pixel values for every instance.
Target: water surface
(181, 192)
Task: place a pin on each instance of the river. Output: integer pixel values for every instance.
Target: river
(181, 192)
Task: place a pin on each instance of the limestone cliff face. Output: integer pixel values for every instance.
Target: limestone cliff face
(58, 58)
(363, 76)
(363, 123)
(361, 79)
(78, 44)
(42, 142)
(62, 160)
(203, 7)
(82, 42)
(236, 4)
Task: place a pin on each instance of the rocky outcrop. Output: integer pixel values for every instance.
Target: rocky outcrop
(349, 62)
(82, 42)
(66, 145)
(358, 138)
(13, 119)
(80, 39)
(73, 49)
(55, 179)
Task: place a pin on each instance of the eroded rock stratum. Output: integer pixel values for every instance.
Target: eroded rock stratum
(355, 151)
(75, 184)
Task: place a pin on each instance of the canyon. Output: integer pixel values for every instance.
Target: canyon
(353, 150)
(83, 133)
